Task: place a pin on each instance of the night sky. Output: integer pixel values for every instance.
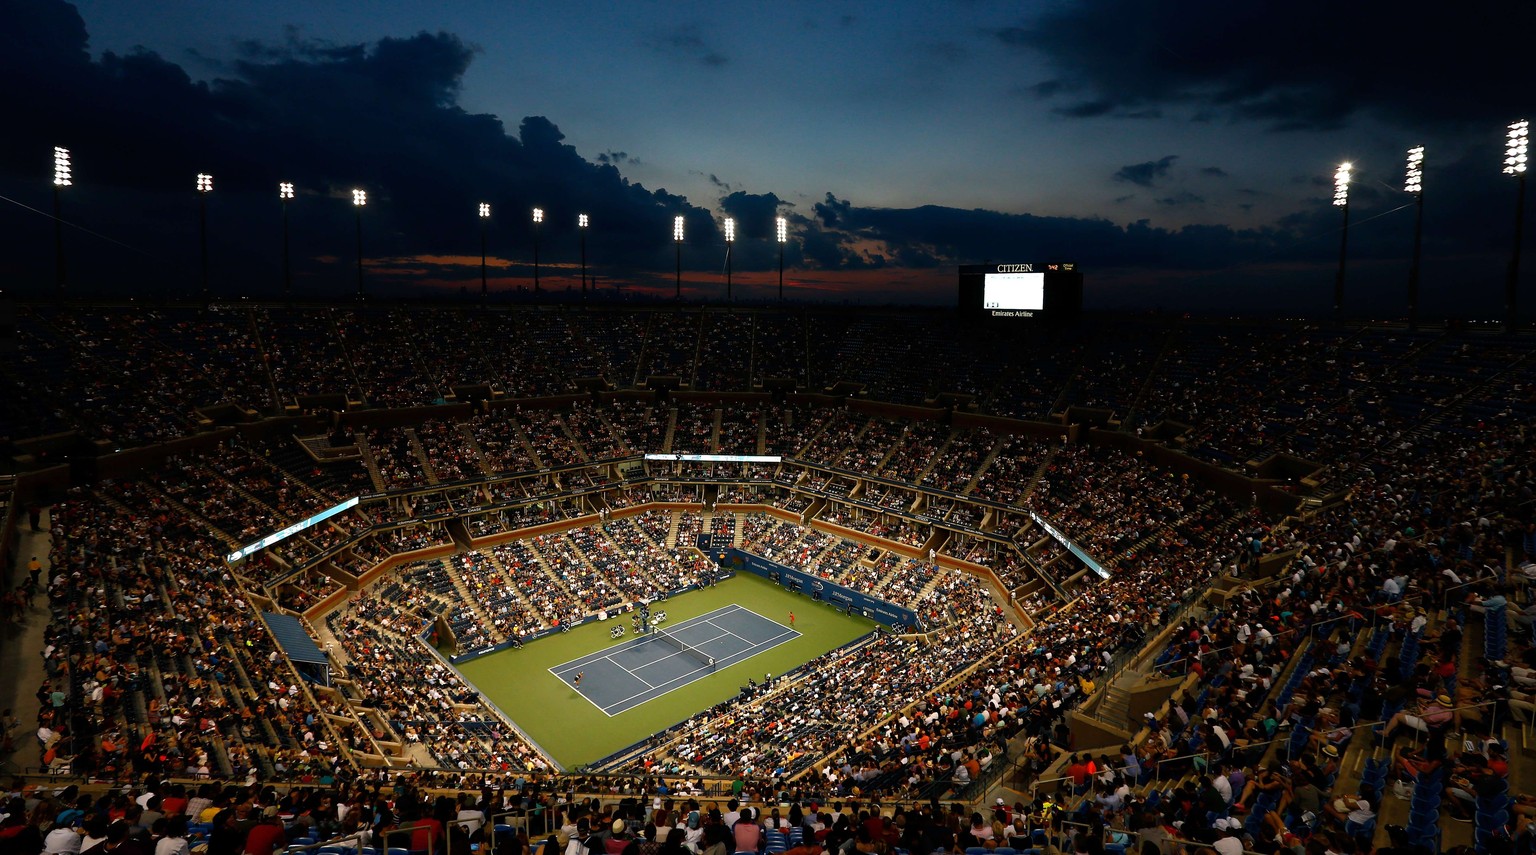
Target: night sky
(1181, 153)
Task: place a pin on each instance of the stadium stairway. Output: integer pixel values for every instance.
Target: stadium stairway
(21, 640)
(467, 437)
(420, 453)
(934, 458)
(260, 343)
(1169, 342)
(673, 524)
(469, 600)
(1034, 480)
(666, 443)
(372, 465)
(981, 468)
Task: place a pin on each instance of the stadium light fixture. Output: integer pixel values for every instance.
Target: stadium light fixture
(204, 187)
(485, 214)
(359, 201)
(677, 238)
(1341, 178)
(781, 230)
(1413, 182)
(538, 217)
(63, 176)
(284, 195)
(1517, 142)
(730, 238)
(582, 222)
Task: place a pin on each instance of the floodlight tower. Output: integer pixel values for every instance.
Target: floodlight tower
(285, 195)
(62, 177)
(1517, 142)
(538, 217)
(1341, 199)
(485, 214)
(1414, 183)
(730, 238)
(781, 228)
(582, 221)
(204, 187)
(677, 238)
(359, 201)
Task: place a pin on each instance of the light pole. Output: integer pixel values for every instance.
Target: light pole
(1413, 183)
(62, 177)
(359, 201)
(538, 217)
(485, 214)
(781, 228)
(582, 221)
(677, 238)
(285, 194)
(204, 187)
(730, 238)
(1517, 141)
(1341, 199)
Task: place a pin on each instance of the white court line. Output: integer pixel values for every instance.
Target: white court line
(740, 657)
(579, 692)
(733, 608)
(712, 623)
(619, 703)
(634, 674)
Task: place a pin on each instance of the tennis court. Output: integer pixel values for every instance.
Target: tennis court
(646, 667)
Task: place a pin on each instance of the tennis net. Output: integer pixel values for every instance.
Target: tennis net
(684, 647)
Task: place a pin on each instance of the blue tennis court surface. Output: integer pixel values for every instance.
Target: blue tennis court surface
(646, 667)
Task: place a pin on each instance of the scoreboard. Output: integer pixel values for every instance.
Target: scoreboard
(1048, 293)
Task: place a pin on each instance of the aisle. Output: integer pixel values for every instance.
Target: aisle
(19, 646)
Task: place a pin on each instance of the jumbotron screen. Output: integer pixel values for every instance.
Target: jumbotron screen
(1022, 291)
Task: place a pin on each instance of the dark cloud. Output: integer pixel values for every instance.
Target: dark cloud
(1213, 171)
(688, 42)
(846, 236)
(1120, 200)
(1183, 197)
(1087, 109)
(754, 213)
(1145, 174)
(382, 116)
(1014, 36)
(1044, 89)
(385, 116)
(1290, 66)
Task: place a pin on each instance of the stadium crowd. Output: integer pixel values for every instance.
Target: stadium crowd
(159, 663)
